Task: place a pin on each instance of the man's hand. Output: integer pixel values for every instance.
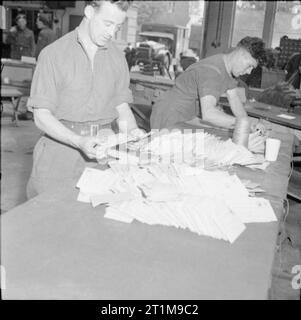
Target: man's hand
(89, 145)
(137, 133)
(256, 142)
(258, 126)
(13, 29)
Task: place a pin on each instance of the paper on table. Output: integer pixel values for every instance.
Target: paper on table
(286, 116)
(83, 197)
(262, 166)
(98, 199)
(96, 181)
(253, 210)
(211, 203)
(111, 214)
(227, 222)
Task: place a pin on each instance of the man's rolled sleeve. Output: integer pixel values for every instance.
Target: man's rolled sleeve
(211, 86)
(123, 92)
(43, 91)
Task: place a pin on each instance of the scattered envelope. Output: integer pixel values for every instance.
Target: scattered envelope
(286, 116)
(209, 203)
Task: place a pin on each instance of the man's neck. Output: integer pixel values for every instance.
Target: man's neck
(227, 60)
(90, 47)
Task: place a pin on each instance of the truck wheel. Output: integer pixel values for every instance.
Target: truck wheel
(166, 61)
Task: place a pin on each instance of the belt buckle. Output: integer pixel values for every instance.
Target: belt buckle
(94, 128)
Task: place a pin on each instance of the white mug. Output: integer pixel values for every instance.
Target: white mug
(271, 149)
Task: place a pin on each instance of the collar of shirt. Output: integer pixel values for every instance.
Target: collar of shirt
(80, 41)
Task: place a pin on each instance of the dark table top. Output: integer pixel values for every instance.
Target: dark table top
(54, 247)
(270, 112)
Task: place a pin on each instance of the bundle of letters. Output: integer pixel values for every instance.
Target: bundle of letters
(194, 148)
(210, 203)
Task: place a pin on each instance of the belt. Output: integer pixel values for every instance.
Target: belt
(88, 128)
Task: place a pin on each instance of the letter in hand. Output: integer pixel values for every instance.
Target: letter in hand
(137, 133)
(256, 142)
(258, 126)
(89, 145)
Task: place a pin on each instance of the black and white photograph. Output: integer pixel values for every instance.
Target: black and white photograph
(150, 151)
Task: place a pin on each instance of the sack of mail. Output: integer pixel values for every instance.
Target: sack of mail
(190, 147)
(210, 203)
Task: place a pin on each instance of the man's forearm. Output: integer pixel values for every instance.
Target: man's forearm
(237, 107)
(126, 120)
(46, 122)
(220, 118)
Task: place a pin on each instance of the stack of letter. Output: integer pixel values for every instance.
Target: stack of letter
(194, 148)
(211, 203)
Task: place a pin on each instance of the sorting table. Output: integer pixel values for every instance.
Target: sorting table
(54, 247)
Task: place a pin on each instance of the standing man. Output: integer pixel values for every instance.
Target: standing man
(46, 34)
(129, 55)
(80, 86)
(206, 81)
(21, 39)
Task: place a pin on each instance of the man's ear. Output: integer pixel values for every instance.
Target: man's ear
(89, 12)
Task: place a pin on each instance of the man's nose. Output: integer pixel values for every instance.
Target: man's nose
(111, 31)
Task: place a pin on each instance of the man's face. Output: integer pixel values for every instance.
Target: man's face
(105, 22)
(21, 23)
(39, 24)
(244, 64)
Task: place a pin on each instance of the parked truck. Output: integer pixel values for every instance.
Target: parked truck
(160, 45)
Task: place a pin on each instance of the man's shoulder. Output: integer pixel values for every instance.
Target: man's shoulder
(47, 31)
(29, 32)
(213, 64)
(60, 47)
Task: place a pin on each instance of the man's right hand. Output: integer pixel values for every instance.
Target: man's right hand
(89, 145)
(13, 29)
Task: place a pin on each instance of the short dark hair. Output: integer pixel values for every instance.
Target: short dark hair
(45, 19)
(255, 46)
(121, 4)
(21, 16)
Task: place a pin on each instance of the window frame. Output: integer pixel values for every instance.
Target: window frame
(268, 23)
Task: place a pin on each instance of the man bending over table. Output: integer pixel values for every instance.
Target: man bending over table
(206, 81)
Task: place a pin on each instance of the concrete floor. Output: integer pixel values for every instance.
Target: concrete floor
(16, 160)
(17, 145)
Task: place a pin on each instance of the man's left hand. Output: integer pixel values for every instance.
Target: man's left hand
(137, 133)
(258, 126)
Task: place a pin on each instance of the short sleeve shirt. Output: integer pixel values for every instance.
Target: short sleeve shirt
(206, 77)
(46, 36)
(65, 83)
(22, 43)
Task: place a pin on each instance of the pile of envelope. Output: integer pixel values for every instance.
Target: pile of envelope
(211, 203)
(188, 147)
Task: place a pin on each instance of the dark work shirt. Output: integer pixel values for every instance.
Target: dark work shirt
(46, 36)
(22, 43)
(206, 77)
(65, 83)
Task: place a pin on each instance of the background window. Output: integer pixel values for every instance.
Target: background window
(287, 21)
(248, 20)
